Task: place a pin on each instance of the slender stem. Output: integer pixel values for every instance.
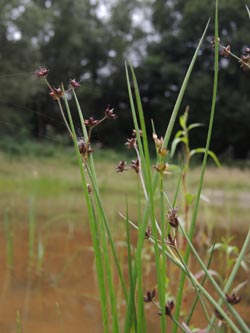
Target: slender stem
(196, 206)
(140, 173)
(64, 118)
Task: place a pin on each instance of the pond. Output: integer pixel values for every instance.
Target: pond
(57, 291)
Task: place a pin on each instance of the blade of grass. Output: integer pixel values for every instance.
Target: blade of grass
(183, 89)
(231, 280)
(189, 317)
(214, 283)
(18, 322)
(108, 270)
(148, 183)
(130, 310)
(147, 212)
(32, 232)
(92, 175)
(196, 205)
(9, 240)
(92, 223)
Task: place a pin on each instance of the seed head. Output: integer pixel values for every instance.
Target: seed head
(74, 84)
(162, 151)
(131, 143)
(91, 122)
(168, 308)
(134, 133)
(226, 51)
(233, 299)
(162, 168)
(148, 233)
(245, 62)
(109, 113)
(150, 295)
(172, 218)
(42, 72)
(56, 93)
(213, 41)
(218, 314)
(171, 241)
(121, 166)
(135, 164)
(84, 149)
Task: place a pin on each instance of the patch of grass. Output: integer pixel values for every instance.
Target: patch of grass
(58, 178)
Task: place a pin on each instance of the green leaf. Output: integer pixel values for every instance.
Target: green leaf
(174, 145)
(179, 134)
(183, 121)
(210, 153)
(191, 126)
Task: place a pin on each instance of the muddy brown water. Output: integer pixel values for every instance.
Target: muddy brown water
(63, 295)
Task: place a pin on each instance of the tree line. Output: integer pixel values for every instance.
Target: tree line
(90, 40)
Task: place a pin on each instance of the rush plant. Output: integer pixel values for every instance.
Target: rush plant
(157, 224)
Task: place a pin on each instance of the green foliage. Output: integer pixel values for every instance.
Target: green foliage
(150, 225)
(177, 25)
(73, 39)
(182, 136)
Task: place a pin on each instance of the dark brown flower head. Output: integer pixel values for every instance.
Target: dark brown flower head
(91, 122)
(131, 143)
(84, 149)
(218, 314)
(56, 93)
(150, 295)
(74, 84)
(233, 299)
(109, 113)
(245, 62)
(89, 188)
(148, 233)
(172, 218)
(226, 51)
(121, 166)
(213, 41)
(171, 241)
(168, 308)
(134, 133)
(42, 72)
(135, 164)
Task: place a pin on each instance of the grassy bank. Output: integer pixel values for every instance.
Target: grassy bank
(54, 185)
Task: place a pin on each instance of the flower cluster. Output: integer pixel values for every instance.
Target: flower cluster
(150, 295)
(225, 51)
(233, 299)
(42, 72)
(245, 60)
(159, 143)
(172, 218)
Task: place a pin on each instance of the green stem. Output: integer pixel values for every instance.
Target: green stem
(195, 212)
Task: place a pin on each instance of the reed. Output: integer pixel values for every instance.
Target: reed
(158, 221)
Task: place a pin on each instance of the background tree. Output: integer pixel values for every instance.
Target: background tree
(90, 40)
(179, 25)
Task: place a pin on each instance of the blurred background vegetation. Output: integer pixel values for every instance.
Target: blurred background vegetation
(89, 40)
